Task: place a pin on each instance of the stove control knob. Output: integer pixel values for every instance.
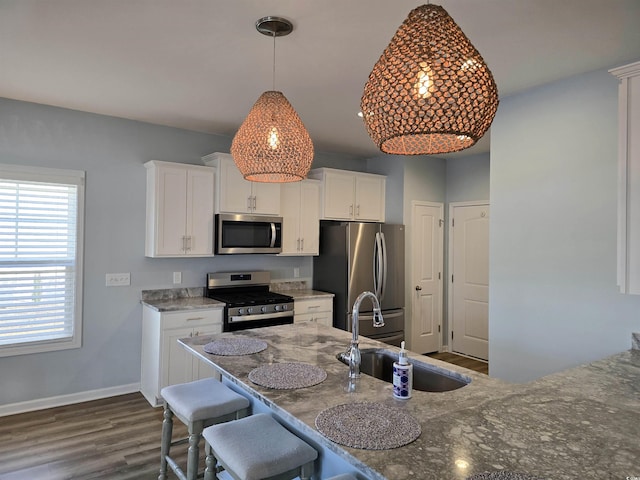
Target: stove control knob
(241, 311)
(250, 310)
(284, 307)
(277, 308)
(263, 309)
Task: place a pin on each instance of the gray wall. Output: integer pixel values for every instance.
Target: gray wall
(112, 151)
(553, 299)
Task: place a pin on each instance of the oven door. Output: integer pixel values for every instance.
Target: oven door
(245, 322)
(242, 234)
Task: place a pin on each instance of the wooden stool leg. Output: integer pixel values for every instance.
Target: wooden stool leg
(195, 433)
(306, 471)
(210, 461)
(165, 443)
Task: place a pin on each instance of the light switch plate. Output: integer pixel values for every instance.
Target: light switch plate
(118, 279)
(177, 277)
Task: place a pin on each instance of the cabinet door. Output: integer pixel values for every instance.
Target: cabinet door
(266, 198)
(235, 191)
(200, 212)
(338, 195)
(290, 201)
(171, 210)
(177, 364)
(369, 198)
(310, 217)
(200, 368)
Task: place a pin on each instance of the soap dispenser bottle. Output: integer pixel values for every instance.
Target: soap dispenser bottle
(402, 375)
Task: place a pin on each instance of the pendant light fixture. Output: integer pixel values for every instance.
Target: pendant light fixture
(272, 144)
(430, 92)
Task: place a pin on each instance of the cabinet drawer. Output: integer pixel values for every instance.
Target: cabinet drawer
(322, 318)
(313, 305)
(191, 318)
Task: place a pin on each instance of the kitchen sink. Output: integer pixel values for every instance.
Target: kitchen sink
(378, 363)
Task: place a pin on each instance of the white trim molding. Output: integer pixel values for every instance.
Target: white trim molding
(70, 399)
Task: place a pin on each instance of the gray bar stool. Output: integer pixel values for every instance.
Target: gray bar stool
(198, 405)
(257, 448)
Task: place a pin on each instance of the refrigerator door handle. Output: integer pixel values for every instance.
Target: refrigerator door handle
(384, 266)
(377, 266)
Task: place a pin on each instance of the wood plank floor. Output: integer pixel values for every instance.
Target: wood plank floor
(117, 438)
(466, 362)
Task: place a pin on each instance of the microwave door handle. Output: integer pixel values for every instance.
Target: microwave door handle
(273, 235)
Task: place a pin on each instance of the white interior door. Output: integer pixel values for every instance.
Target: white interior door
(469, 269)
(426, 274)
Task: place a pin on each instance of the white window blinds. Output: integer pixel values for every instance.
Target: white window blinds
(39, 267)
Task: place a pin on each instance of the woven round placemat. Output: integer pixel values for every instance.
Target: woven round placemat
(369, 426)
(502, 475)
(285, 376)
(235, 346)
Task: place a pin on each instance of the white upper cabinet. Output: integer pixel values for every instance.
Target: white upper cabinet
(234, 194)
(300, 203)
(351, 196)
(629, 178)
(179, 210)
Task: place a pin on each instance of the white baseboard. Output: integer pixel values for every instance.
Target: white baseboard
(61, 400)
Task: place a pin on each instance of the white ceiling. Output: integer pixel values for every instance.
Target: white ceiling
(200, 64)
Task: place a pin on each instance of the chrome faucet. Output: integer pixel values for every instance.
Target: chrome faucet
(353, 352)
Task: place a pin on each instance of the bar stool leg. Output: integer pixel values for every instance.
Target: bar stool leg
(211, 463)
(306, 471)
(167, 432)
(195, 433)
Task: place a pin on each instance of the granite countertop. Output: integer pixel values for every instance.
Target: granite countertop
(304, 294)
(177, 299)
(582, 423)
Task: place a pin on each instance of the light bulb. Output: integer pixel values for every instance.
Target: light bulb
(424, 81)
(274, 141)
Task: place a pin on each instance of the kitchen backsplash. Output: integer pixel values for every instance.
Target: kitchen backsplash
(171, 294)
(284, 285)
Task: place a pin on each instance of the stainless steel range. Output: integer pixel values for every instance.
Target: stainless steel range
(249, 303)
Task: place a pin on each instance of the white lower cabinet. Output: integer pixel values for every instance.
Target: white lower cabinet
(164, 361)
(318, 310)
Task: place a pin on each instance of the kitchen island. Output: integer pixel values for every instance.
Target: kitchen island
(582, 423)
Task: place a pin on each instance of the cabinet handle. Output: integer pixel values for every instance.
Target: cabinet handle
(249, 203)
(298, 245)
(195, 318)
(196, 334)
(350, 210)
(255, 203)
(358, 211)
(313, 306)
(184, 243)
(188, 249)
(302, 245)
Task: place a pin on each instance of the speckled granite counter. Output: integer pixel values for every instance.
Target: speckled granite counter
(304, 294)
(583, 423)
(177, 299)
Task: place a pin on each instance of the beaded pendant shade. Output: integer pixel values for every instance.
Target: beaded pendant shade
(430, 92)
(272, 144)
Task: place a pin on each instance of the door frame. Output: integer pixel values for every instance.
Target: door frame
(411, 258)
(452, 205)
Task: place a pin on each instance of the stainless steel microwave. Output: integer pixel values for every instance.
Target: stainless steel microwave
(241, 234)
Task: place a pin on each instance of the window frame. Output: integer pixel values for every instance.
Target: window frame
(54, 176)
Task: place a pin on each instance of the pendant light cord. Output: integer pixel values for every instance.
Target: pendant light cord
(274, 61)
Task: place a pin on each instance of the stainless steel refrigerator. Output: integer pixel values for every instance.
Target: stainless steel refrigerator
(355, 257)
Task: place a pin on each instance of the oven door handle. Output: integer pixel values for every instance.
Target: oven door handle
(273, 235)
(259, 316)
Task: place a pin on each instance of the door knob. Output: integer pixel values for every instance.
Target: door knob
(418, 288)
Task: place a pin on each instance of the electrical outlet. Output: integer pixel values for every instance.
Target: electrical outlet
(296, 272)
(177, 277)
(118, 279)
